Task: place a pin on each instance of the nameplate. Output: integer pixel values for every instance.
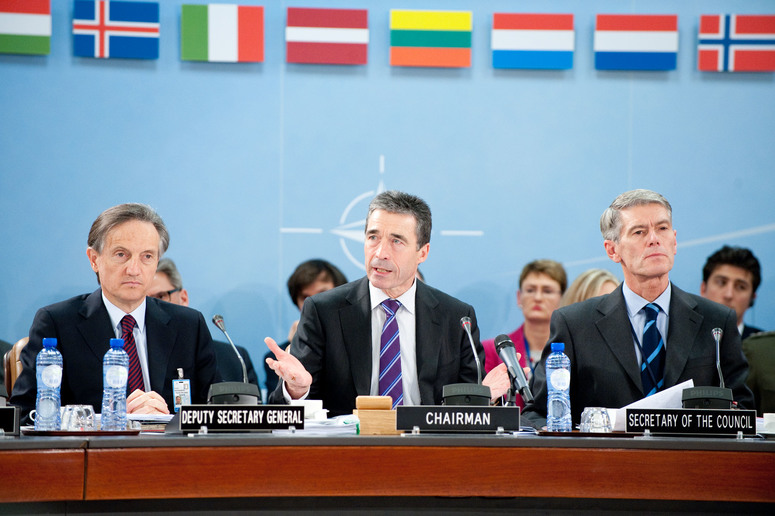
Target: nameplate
(692, 421)
(240, 418)
(9, 420)
(459, 418)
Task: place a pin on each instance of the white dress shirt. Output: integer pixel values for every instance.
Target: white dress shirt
(635, 305)
(141, 343)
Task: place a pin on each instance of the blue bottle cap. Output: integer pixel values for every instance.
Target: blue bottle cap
(558, 346)
(117, 343)
(49, 342)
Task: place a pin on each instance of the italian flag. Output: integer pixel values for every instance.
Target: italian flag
(25, 27)
(222, 32)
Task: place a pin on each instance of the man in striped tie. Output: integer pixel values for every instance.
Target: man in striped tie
(647, 335)
(384, 334)
(124, 247)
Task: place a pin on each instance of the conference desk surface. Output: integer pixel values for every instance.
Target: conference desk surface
(158, 466)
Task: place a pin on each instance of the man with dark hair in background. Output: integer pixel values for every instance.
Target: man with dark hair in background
(731, 277)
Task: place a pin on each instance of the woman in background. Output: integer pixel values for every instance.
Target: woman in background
(591, 283)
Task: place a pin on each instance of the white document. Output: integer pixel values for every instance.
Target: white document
(669, 398)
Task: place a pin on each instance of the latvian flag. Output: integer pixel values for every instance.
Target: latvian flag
(111, 28)
(636, 42)
(535, 41)
(25, 27)
(222, 32)
(327, 36)
(430, 38)
(736, 43)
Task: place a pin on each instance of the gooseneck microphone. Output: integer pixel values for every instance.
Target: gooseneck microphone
(466, 323)
(218, 321)
(710, 397)
(508, 353)
(717, 333)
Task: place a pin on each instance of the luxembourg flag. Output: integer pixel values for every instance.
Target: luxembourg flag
(112, 28)
(25, 27)
(222, 32)
(736, 43)
(636, 42)
(327, 36)
(533, 41)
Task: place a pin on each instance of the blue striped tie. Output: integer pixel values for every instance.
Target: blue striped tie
(390, 383)
(652, 367)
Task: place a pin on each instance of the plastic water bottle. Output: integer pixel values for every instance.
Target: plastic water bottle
(48, 368)
(115, 371)
(558, 418)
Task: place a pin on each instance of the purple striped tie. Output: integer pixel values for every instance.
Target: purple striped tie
(390, 355)
(135, 380)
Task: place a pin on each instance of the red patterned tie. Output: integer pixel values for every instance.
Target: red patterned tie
(135, 380)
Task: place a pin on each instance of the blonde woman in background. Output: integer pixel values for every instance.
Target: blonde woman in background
(590, 283)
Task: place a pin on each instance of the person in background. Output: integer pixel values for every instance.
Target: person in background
(125, 244)
(310, 278)
(541, 285)
(759, 349)
(590, 283)
(167, 285)
(647, 335)
(731, 277)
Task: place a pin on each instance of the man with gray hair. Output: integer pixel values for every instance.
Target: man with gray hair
(162, 340)
(385, 334)
(647, 335)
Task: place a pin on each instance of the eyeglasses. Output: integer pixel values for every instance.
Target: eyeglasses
(166, 295)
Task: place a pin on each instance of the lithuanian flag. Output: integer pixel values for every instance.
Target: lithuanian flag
(25, 27)
(430, 38)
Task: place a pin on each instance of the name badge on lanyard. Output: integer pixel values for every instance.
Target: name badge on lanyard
(181, 390)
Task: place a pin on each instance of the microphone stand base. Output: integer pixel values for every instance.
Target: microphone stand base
(707, 398)
(466, 394)
(233, 393)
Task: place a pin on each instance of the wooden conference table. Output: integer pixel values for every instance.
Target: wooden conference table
(64, 474)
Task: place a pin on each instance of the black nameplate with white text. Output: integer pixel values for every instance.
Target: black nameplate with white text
(460, 418)
(692, 421)
(9, 420)
(240, 418)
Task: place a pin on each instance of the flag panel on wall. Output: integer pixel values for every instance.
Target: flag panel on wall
(533, 41)
(25, 27)
(111, 28)
(327, 36)
(222, 32)
(430, 38)
(736, 43)
(636, 42)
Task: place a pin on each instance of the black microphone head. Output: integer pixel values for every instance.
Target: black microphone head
(502, 341)
(465, 321)
(218, 321)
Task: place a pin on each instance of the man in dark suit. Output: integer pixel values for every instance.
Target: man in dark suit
(335, 354)
(124, 246)
(604, 336)
(167, 285)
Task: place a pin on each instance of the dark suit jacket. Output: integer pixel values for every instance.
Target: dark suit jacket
(229, 365)
(177, 337)
(333, 341)
(749, 330)
(604, 367)
(760, 352)
(5, 347)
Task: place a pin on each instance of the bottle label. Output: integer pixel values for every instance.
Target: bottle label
(560, 379)
(116, 376)
(52, 376)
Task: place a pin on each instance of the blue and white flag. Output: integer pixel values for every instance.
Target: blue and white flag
(112, 28)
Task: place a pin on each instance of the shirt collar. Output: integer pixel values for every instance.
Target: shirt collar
(635, 303)
(116, 314)
(406, 299)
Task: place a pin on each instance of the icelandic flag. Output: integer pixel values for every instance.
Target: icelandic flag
(534, 41)
(111, 28)
(636, 42)
(736, 43)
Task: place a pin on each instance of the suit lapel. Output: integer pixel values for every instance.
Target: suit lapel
(682, 330)
(160, 339)
(615, 327)
(427, 332)
(354, 317)
(95, 326)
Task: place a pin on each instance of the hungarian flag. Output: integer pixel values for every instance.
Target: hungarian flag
(636, 42)
(222, 32)
(736, 43)
(327, 36)
(25, 27)
(532, 41)
(430, 38)
(112, 28)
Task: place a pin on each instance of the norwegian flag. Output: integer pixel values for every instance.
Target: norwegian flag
(736, 43)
